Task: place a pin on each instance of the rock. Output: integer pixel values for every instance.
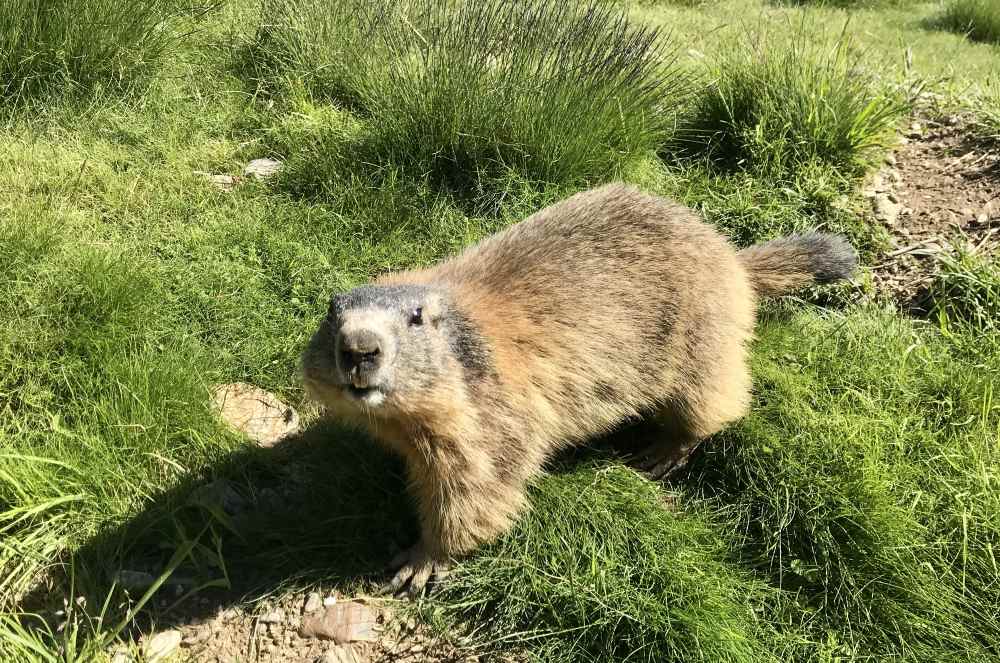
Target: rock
(915, 131)
(221, 182)
(161, 646)
(890, 159)
(255, 412)
(330, 600)
(346, 621)
(341, 654)
(262, 168)
(273, 617)
(983, 218)
(135, 581)
(886, 211)
(313, 603)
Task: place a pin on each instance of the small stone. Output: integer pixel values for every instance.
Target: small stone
(916, 131)
(276, 616)
(313, 603)
(890, 159)
(262, 168)
(886, 211)
(330, 600)
(983, 218)
(221, 182)
(347, 621)
(161, 646)
(256, 413)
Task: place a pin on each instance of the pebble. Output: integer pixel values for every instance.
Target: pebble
(330, 600)
(262, 168)
(886, 210)
(982, 218)
(258, 414)
(161, 646)
(313, 603)
(890, 159)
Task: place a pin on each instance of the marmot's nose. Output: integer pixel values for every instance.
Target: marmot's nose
(360, 351)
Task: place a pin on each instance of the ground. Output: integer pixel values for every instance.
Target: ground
(853, 515)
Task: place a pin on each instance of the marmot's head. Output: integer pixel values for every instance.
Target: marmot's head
(381, 348)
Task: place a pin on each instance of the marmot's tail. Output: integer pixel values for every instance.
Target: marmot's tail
(789, 263)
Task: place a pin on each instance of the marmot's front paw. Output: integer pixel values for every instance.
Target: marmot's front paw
(415, 570)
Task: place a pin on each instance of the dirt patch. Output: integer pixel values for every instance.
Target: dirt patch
(277, 630)
(940, 188)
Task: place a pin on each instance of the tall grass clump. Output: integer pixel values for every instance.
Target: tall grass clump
(979, 20)
(468, 92)
(79, 45)
(776, 105)
(965, 302)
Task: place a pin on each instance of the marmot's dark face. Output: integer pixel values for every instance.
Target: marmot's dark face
(378, 350)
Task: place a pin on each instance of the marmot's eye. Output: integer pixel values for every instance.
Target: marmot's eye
(417, 316)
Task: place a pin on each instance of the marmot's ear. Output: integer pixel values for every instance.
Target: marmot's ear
(433, 307)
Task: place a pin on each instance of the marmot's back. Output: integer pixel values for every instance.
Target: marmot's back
(594, 305)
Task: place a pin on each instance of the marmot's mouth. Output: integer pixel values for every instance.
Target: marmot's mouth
(370, 396)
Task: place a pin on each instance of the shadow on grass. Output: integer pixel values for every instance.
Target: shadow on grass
(325, 507)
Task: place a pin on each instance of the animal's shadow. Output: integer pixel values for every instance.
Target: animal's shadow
(324, 507)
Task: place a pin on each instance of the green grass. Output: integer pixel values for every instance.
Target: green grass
(978, 19)
(774, 110)
(853, 516)
(77, 46)
(475, 93)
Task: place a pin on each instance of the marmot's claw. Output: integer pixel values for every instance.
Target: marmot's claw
(416, 570)
(658, 461)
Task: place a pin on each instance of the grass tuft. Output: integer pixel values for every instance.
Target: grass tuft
(774, 108)
(470, 93)
(78, 46)
(979, 20)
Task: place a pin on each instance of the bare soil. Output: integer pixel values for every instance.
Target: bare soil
(939, 190)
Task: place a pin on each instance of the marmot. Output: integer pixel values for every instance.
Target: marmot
(608, 306)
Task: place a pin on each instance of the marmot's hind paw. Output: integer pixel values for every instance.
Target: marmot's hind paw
(415, 572)
(658, 461)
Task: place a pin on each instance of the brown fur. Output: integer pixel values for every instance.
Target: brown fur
(608, 306)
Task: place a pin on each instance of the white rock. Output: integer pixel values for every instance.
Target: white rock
(161, 646)
(313, 603)
(255, 412)
(262, 168)
(330, 600)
